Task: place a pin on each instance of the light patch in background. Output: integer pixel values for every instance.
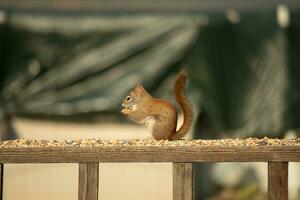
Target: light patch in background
(283, 16)
(294, 180)
(40, 181)
(55, 130)
(3, 16)
(34, 68)
(290, 134)
(128, 181)
(233, 16)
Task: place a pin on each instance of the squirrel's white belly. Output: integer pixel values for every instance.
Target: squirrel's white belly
(149, 122)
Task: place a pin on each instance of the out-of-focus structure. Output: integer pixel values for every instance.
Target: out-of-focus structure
(66, 59)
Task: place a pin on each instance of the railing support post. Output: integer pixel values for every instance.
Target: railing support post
(278, 180)
(88, 181)
(182, 181)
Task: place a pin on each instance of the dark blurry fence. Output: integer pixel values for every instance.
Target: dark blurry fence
(182, 158)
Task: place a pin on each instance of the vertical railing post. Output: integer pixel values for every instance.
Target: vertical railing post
(278, 180)
(88, 181)
(182, 181)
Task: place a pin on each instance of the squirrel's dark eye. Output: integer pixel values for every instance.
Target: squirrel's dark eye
(128, 98)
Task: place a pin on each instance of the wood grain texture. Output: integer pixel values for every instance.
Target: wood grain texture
(182, 181)
(88, 181)
(278, 180)
(150, 154)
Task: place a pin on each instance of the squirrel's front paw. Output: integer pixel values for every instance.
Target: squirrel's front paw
(125, 111)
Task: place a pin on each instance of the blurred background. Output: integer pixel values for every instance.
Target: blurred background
(66, 66)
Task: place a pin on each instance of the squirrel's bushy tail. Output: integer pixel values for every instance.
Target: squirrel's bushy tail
(185, 104)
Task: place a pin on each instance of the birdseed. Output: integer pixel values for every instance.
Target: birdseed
(93, 142)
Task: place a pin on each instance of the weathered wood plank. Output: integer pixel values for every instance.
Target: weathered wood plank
(182, 181)
(88, 181)
(150, 154)
(278, 180)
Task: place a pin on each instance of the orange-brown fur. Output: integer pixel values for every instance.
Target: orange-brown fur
(160, 115)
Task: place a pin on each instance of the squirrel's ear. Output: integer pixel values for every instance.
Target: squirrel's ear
(139, 89)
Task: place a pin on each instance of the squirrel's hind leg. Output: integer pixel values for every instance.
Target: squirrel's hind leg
(162, 128)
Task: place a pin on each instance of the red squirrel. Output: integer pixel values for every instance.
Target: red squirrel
(160, 115)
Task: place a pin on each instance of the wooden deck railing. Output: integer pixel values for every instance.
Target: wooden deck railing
(182, 158)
